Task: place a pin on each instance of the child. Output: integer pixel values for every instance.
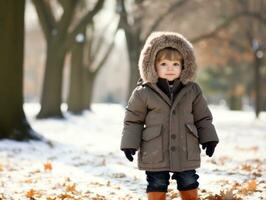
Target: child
(167, 117)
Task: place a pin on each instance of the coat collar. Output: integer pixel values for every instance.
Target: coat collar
(166, 99)
(164, 85)
(182, 93)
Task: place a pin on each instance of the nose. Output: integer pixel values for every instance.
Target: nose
(170, 67)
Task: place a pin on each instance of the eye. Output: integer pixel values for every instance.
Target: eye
(163, 64)
(176, 64)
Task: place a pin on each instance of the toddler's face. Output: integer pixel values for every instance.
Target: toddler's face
(168, 69)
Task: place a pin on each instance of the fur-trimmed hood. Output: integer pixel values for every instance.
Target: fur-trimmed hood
(160, 40)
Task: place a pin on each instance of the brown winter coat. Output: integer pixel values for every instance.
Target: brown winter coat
(167, 134)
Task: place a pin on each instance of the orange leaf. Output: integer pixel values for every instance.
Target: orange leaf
(71, 187)
(65, 196)
(215, 197)
(48, 166)
(30, 193)
(28, 180)
(249, 187)
(33, 193)
(50, 198)
(228, 194)
(246, 167)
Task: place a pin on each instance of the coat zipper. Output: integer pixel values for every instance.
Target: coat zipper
(170, 122)
(171, 89)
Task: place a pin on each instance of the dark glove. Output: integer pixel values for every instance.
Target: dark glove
(210, 147)
(129, 153)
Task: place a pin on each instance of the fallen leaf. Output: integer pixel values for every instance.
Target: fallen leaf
(257, 174)
(98, 197)
(50, 198)
(249, 187)
(71, 187)
(33, 194)
(65, 196)
(246, 167)
(215, 197)
(48, 166)
(228, 194)
(221, 160)
(28, 181)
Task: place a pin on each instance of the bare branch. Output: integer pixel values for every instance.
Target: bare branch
(84, 21)
(63, 3)
(90, 31)
(69, 8)
(101, 37)
(257, 16)
(123, 16)
(107, 53)
(171, 9)
(46, 17)
(226, 23)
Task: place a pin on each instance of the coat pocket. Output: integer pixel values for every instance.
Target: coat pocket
(151, 150)
(193, 149)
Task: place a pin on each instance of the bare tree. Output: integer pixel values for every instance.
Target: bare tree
(244, 30)
(132, 24)
(13, 122)
(59, 38)
(87, 58)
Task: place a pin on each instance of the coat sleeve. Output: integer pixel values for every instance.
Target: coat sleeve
(134, 121)
(203, 118)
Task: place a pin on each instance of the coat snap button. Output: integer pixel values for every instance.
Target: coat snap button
(173, 137)
(172, 148)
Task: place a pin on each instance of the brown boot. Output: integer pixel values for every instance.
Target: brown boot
(189, 194)
(156, 195)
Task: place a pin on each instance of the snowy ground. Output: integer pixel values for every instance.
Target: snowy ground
(86, 163)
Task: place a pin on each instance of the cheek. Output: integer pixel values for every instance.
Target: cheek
(159, 72)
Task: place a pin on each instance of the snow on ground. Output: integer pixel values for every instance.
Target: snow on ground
(85, 161)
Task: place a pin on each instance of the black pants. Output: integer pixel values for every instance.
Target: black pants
(159, 181)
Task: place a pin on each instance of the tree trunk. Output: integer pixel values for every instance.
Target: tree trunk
(52, 84)
(134, 46)
(235, 102)
(257, 78)
(75, 97)
(235, 98)
(134, 72)
(13, 123)
(88, 86)
(59, 41)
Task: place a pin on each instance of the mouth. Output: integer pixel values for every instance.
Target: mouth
(169, 74)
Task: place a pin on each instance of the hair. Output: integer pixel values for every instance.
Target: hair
(169, 53)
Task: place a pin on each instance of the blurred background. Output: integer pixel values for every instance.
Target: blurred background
(80, 52)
